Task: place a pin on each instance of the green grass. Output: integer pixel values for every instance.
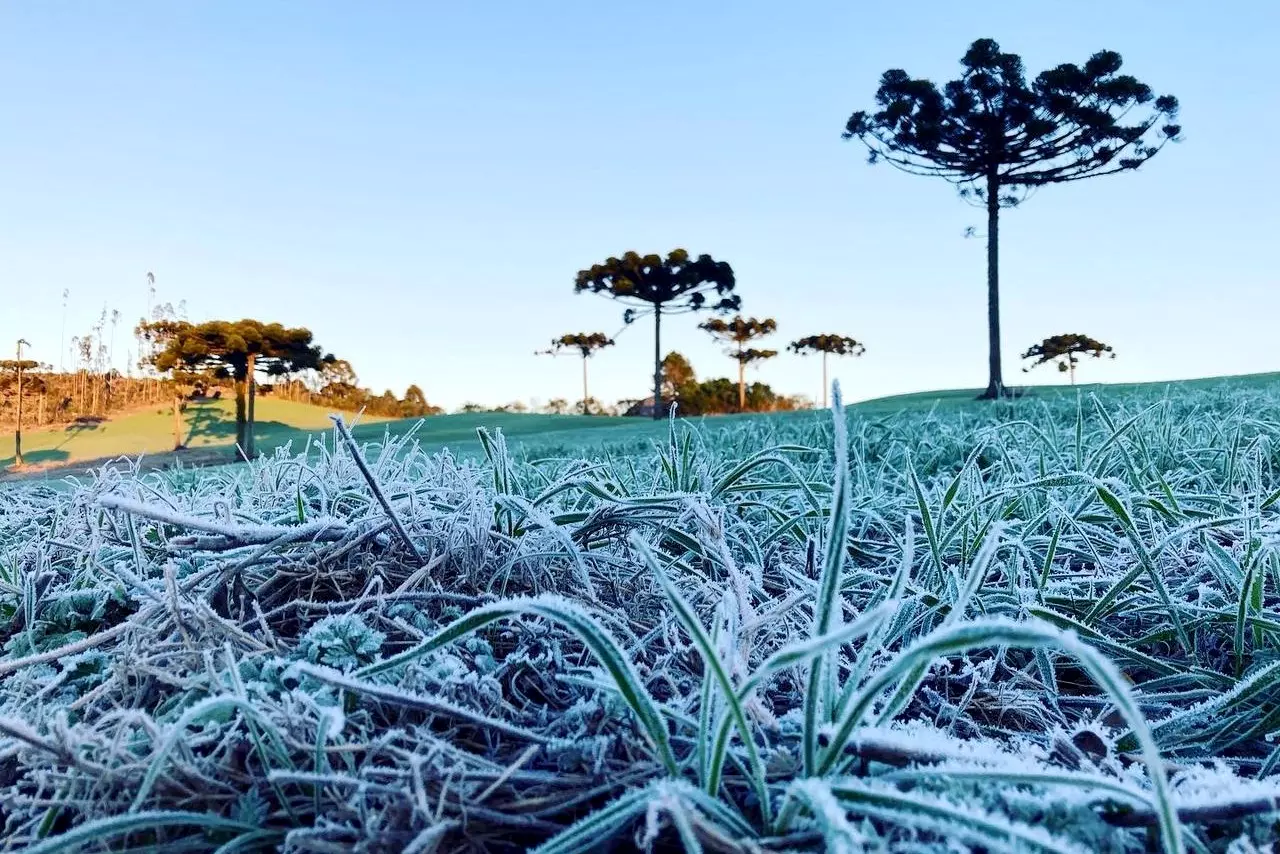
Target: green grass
(150, 431)
(946, 398)
(946, 624)
(281, 423)
(278, 423)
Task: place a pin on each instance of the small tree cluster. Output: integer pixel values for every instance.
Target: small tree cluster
(677, 284)
(737, 332)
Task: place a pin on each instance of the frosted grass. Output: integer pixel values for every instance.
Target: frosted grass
(1039, 625)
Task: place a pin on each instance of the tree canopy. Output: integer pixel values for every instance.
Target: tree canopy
(674, 284)
(1066, 350)
(835, 345)
(677, 284)
(586, 343)
(999, 137)
(676, 371)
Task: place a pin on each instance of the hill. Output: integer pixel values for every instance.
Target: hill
(211, 426)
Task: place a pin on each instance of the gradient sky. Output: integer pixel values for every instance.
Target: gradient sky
(419, 182)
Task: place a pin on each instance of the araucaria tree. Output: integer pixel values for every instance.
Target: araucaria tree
(1066, 350)
(677, 284)
(18, 366)
(237, 350)
(737, 333)
(998, 137)
(827, 345)
(586, 343)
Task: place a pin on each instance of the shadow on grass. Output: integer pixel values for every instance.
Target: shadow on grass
(40, 457)
(74, 430)
(206, 420)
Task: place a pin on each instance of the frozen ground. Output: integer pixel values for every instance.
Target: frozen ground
(1034, 626)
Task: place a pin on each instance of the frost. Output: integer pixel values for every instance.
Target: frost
(434, 653)
(344, 642)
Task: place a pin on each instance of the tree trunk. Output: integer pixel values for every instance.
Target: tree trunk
(825, 384)
(585, 396)
(1071, 371)
(17, 433)
(657, 362)
(177, 420)
(249, 450)
(742, 382)
(240, 385)
(995, 383)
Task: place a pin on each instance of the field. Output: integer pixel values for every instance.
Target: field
(1050, 624)
(209, 428)
(209, 433)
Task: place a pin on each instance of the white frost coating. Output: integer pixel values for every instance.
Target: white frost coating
(519, 712)
(241, 533)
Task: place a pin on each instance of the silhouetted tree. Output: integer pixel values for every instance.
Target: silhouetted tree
(999, 138)
(674, 285)
(587, 344)
(827, 345)
(1068, 349)
(238, 350)
(737, 333)
(556, 406)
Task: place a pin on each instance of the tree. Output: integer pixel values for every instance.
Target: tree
(556, 406)
(827, 345)
(674, 285)
(18, 366)
(737, 333)
(1069, 349)
(415, 404)
(676, 373)
(238, 350)
(999, 138)
(587, 344)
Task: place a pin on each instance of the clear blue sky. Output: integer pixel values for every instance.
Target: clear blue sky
(419, 182)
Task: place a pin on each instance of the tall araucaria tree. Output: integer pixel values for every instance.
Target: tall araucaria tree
(677, 284)
(827, 345)
(237, 350)
(998, 137)
(18, 366)
(1067, 350)
(587, 344)
(737, 332)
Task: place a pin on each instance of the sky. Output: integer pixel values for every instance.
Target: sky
(419, 182)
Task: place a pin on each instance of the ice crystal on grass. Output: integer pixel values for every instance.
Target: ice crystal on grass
(421, 653)
(344, 642)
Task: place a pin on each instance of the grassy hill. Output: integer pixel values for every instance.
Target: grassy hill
(211, 426)
(150, 431)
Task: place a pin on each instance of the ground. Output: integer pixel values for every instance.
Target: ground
(1047, 624)
(210, 428)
